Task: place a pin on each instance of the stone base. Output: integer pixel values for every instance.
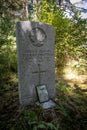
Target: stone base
(47, 105)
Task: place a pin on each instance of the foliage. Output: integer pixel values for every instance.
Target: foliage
(70, 43)
(7, 37)
(29, 120)
(70, 33)
(70, 111)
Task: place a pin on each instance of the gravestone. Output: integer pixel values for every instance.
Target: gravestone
(35, 51)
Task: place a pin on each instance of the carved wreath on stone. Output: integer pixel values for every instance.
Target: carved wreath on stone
(37, 36)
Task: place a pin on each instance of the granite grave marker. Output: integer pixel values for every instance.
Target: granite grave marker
(35, 51)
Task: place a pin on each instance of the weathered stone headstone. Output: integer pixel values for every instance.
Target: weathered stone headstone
(35, 49)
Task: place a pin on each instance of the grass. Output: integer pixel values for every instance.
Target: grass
(70, 112)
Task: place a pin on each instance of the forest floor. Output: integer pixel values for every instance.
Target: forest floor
(70, 112)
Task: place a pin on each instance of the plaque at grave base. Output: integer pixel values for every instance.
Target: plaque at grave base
(36, 66)
(47, 105)
(42, 93)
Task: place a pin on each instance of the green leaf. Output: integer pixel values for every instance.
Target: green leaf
(50, 125)
(41, 126)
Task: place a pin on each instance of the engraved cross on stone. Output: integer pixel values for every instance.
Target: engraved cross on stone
(39, 73)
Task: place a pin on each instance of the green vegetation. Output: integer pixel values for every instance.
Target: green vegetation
(71, 70)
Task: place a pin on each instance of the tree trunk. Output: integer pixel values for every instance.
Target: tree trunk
(25, 9)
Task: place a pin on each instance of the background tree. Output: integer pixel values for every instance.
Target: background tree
(70, 33)
(70, 43)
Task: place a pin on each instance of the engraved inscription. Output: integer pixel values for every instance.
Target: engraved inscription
(37, 56)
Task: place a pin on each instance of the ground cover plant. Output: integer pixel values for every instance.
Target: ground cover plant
(70, 70)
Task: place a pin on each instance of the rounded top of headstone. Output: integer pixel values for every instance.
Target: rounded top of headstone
(37, 36)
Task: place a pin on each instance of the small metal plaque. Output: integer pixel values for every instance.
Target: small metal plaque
(42, 93)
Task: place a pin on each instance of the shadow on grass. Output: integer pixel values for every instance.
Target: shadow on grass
(72, 103)
(70, 111)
